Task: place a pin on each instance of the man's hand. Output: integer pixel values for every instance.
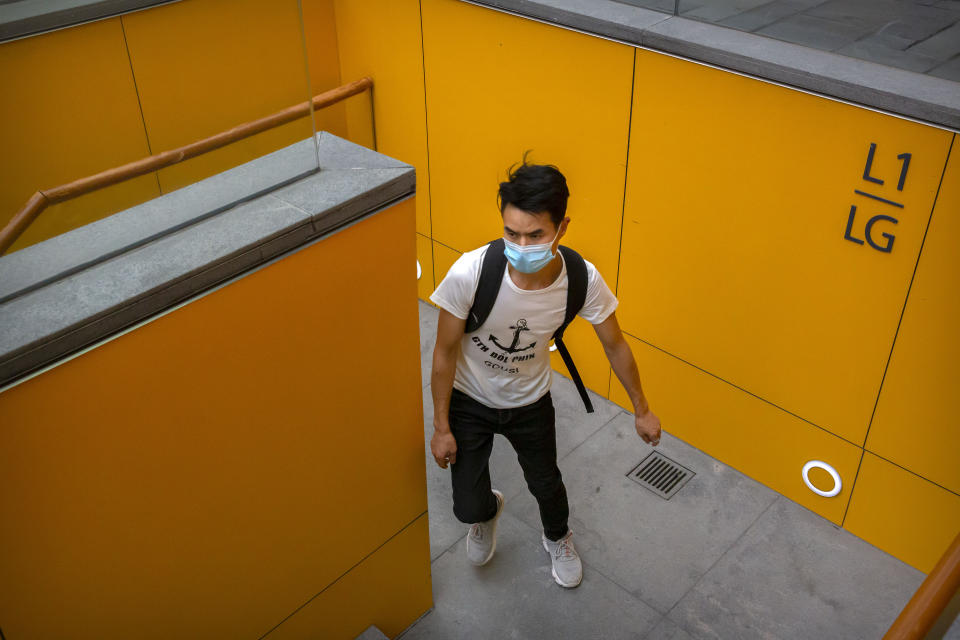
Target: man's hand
(648, 427)
(443, 446)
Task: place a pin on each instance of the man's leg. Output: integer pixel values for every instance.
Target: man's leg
(532, 432)
(473, 500)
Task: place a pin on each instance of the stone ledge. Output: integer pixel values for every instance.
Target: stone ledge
(58, 257)
(30, 17)
(914, 95)
(141, 261)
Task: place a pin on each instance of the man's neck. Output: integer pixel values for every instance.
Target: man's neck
(540, 279)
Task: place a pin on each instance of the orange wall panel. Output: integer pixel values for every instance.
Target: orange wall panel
(381, 39)
(208, 472)
(903, 514)
(498, 85)
(915, 424)
(753, 436)
(443, 259)
(389, 589)
(425, 283)
(734, 255)
(70, 111)
(196, 77)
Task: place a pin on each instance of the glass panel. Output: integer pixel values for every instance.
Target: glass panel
(103, 94)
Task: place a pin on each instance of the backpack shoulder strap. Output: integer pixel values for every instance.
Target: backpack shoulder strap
(491, 275)
(576, 297)
(576, 286)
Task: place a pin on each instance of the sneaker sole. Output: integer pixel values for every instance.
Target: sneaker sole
(565, 586)
(556, 578)
(493, 547)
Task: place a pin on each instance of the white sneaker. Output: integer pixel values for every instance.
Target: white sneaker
(567, 568)
(482, 537)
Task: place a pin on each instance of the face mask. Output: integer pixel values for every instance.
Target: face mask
(528, 259)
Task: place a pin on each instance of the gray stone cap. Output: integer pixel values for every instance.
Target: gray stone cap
(914, 95)
(61, 295)
(19, 18)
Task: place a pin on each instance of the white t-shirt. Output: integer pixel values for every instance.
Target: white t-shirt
(506, 362)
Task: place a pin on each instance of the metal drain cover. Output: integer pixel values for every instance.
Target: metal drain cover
(661, 475)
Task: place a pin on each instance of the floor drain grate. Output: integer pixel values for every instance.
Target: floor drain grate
(661, 475)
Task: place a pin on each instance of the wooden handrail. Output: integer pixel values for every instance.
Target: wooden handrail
(45, 197)
(929, 601)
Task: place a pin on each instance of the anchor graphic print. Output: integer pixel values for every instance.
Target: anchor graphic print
(518, 328)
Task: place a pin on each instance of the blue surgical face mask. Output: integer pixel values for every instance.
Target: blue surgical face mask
(528, 259)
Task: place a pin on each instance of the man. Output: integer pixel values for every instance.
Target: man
(497, 379)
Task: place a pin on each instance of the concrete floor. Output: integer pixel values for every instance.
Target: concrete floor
(726, 557)
(917, 35)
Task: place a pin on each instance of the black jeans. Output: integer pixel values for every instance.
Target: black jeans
(532, 432)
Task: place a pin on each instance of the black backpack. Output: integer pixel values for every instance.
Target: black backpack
(491, 275)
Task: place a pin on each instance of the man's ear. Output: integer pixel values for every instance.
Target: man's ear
(562, 229)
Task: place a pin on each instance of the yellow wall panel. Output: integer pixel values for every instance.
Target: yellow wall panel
(443, 259)
(734, 255)
(498, 85)
(199, 475)
(389, 589)
(381, 39)
(197, 76)
(323, 61)
(915, 424)
(69, 111)
(902, 513)
(760, 440)
(425, 284)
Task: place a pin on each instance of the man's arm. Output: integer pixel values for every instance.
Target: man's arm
(621, 359)
(445, 351)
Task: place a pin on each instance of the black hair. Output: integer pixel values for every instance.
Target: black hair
(535, 188)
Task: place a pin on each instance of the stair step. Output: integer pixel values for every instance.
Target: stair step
(372, 633)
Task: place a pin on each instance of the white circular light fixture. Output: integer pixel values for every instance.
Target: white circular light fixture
(819, 464)
(419, 270)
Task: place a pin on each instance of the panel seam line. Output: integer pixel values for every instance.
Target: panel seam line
(906, 298)
(626, 170)
(735, 386)
(136, 90)
(338, 578)
(426, 135)
(813, 424)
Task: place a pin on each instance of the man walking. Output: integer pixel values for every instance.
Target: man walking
(497, 378)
